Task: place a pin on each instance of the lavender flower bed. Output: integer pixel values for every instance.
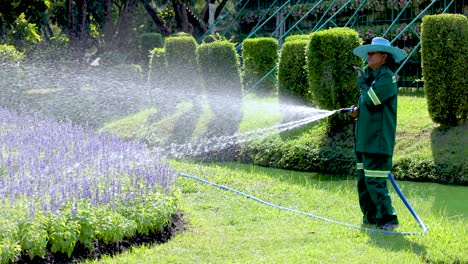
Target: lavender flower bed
(61, 184)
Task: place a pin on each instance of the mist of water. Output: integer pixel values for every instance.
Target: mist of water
(93, 95)
(218, 143)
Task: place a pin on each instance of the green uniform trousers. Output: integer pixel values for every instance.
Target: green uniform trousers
(374, 198)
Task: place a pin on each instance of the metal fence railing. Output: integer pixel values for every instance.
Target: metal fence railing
(398, 21)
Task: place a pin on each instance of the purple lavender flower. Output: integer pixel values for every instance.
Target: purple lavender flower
(57, 163)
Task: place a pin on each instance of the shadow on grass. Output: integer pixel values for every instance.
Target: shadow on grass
(450, 151)
(318, 180)
(397, 243)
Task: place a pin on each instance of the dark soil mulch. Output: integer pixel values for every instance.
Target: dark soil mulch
(81, 253)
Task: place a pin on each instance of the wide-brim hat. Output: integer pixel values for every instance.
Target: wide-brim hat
(380, 45)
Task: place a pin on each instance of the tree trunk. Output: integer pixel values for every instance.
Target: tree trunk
(220, 8)
(178, 16)
(124, 27)
(205, 14)
(69, 7)
(157, 21)
(185, 23)
(108, 23)
(82, 6)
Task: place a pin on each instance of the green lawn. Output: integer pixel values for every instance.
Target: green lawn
(223, 227)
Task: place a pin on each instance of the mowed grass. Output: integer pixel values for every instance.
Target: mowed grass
(224, 227)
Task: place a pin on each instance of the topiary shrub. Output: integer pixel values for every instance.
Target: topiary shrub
(152, 40)
(219, 67)
(149, 41)
(332, 79)
(260, 57)
(182, 62)
(183, 87)
(181, 53)
(292, 76)
(157, 65)
(213, 37)
(305, 37)
(444, 52)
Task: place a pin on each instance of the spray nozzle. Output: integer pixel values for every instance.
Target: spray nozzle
(344, 110)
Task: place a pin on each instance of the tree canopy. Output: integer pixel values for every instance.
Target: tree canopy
(109, 24)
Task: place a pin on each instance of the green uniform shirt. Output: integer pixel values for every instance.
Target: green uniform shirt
(376, 124)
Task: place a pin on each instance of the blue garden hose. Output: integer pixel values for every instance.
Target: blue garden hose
(423, 226)
(402, 197)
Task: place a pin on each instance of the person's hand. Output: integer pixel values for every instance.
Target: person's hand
(355, 112)
(359, 70)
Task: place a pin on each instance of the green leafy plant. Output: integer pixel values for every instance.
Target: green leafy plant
(113, 226)
(148, 220)
(24, 34)
(34, 236)
(10, 249)
(63, 233)
(86, 218)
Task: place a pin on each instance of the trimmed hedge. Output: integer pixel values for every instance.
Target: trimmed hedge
(330, 62)
(416, 169)
(182, 63)
(219, 67)
(157, 64)
(444, 51)
(332, 79)
(292, 76)
(149, 41)
(330, 156)
(298, 37)
(181, 52)
(260, 57)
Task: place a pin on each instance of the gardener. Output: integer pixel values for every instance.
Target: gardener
(376, 115)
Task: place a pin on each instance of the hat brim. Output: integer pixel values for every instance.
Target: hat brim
(362, 51)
